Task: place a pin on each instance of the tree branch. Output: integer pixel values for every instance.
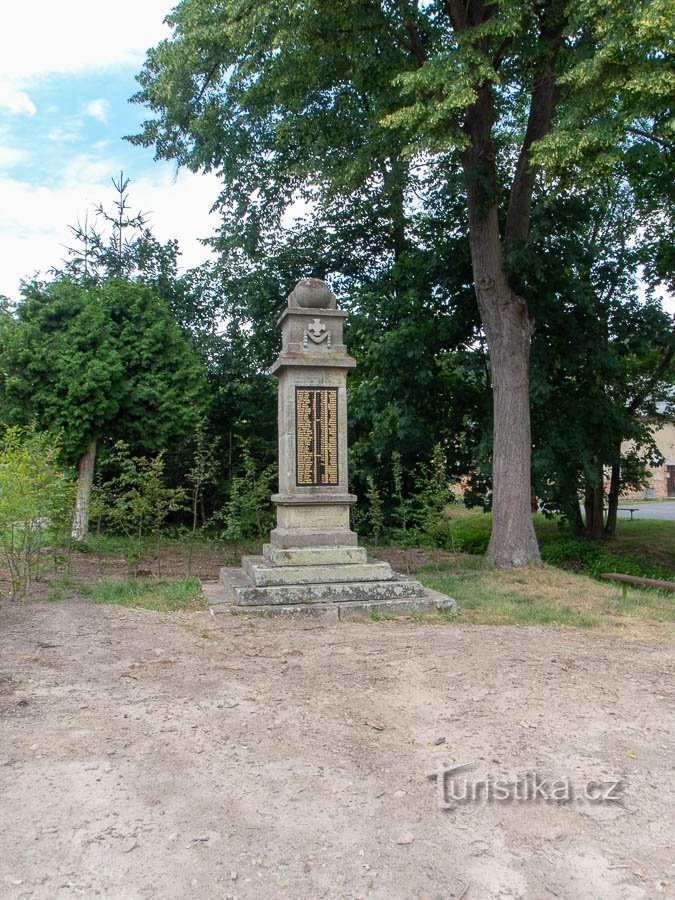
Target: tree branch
(457, 13)
(650, 136)
(545, 95)
(640, 398)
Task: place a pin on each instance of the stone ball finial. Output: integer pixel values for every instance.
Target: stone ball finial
(312, 293)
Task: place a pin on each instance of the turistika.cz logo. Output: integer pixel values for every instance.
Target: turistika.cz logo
(455, 789)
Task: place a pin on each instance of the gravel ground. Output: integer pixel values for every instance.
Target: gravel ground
(148, 755)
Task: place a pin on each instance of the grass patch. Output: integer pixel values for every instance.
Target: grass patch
(641, 547)
(162, 596)
(60, 589)
(113, 544)
(652, 540)
(550, 596)
(376, 616)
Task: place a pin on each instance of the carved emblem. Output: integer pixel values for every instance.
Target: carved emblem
(316, 332)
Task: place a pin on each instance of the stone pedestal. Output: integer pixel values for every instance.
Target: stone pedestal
(312, 564)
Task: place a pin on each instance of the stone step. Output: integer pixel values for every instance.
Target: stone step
(315, 556)
(429, 604)
(240, 590)
(262, 574)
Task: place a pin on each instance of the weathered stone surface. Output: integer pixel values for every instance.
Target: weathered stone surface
(262, 574)
(314, 556)
(312, 565)
(239, 589)
(316, 517)
(328, 602)
(215, 593)
(313, 293)
(428, 604)
(324, 612)
(287, 538)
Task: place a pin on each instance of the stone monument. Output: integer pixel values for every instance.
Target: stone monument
(312, 564)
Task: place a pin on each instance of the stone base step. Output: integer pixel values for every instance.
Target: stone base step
(290, 538)
(314, 556)
(262, 574)
(243, 592)
(428, 603)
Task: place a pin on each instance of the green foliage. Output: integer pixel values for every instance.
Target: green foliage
(36, 498)
(118, 367)
(602, 356)
(372, 129)
(469, 534)
(162, 596)
(593, 559)
(418, 515)
(248, 513)
(373, 519)
(204, 468)
(135, 502)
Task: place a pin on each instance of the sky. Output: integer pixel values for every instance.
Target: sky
(67, 71)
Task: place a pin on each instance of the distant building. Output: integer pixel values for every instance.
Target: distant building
(661, 482)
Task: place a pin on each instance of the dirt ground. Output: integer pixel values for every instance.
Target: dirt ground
(152, 755)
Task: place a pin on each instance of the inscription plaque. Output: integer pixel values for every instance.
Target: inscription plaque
(316, 436)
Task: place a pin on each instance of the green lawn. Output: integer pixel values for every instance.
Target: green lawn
(162, 596)
(649, 545)
(552, 596)
(568, 594)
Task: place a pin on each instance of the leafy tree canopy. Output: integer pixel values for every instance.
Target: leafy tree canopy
(99, 361)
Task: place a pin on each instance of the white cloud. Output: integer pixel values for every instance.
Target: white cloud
(34, 219)
(11, 156)
(42, 37)
(61, 134)
(97, 109)
(16, 101)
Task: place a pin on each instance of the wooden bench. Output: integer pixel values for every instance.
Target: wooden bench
(630, 509)
(638, 582)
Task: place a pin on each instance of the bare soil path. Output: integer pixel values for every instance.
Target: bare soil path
(148, 755)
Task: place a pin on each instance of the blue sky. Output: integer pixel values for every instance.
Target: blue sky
(67, 71)
(64, 110)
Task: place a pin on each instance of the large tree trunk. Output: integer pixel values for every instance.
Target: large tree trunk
(85, 479)
(501, 302)
(507, 326)
(594, 496)
(508, 329)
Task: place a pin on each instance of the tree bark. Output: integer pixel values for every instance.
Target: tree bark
(594, 501)
(508, 330)
(588, 507)
(513, 542)
(613, 500)
(579, 527)
(501, 298)
(85, 479)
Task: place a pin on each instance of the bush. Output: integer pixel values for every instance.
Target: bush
(421, 515)
(470, 534)
(249, 512)
(593, 559)
(136, 502)
(36, 504)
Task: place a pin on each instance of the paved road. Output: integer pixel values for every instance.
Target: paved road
(665, 510)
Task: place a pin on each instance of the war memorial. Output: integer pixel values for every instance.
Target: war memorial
(312, 565)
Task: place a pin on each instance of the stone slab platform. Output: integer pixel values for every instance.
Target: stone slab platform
(224, 598)
(244, 592)
(314, 556)
(262, 574)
